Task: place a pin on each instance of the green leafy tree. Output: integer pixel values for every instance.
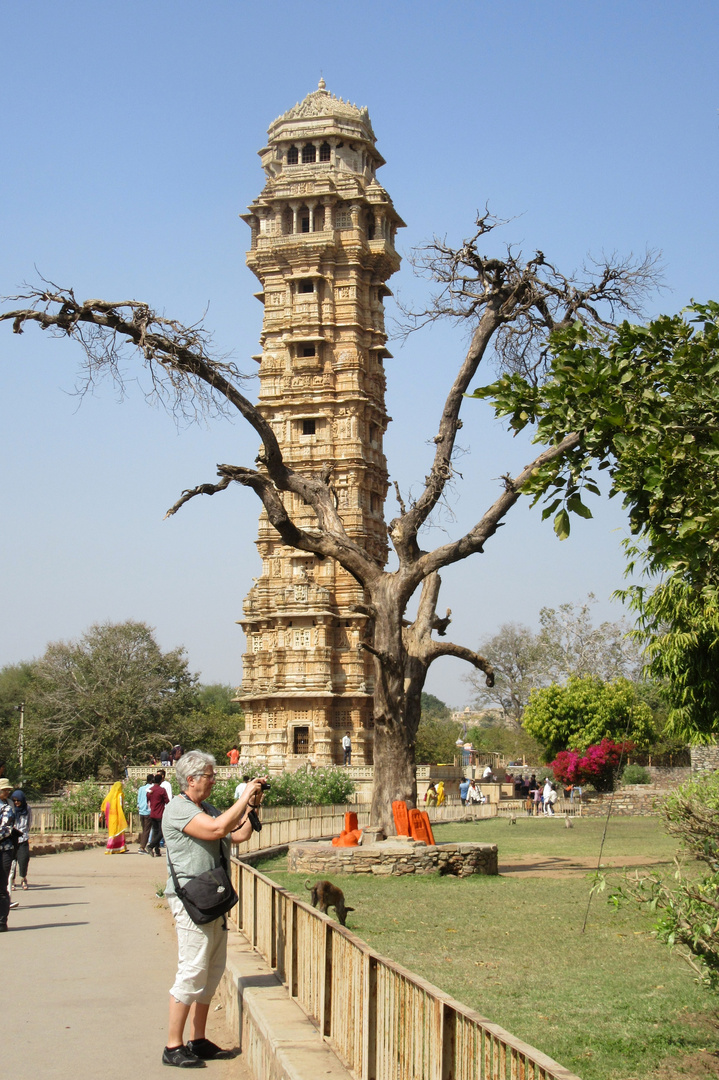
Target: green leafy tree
(434, 709)
(111, 695)
(435, 741)
(584, 712)
(642, 403)
(512, 742)
(436, 734)
(213, 723)
(567, 643)
(15, 687)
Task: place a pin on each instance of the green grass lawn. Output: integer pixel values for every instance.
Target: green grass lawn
(609, 1004)
(549, 837)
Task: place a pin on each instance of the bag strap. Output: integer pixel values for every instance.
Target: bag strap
(178, 888)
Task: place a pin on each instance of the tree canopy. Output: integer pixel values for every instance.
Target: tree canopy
(567, 643)
(110, 695)
(643, 403)
(585, 711)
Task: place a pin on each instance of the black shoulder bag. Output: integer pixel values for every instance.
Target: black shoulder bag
(207, 896)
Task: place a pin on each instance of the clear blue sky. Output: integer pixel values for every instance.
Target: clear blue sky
(129, 140)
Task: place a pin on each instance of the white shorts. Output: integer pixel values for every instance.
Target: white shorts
(201, 961)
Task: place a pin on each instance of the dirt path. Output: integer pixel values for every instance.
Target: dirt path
(88, 963)
(561, 866)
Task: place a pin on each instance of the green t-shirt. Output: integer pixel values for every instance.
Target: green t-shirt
(189, 855)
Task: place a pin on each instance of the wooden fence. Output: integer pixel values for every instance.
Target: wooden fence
(56, 821)
(284, 824)
(383, 1022)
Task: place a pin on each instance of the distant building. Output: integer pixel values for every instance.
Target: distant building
(323, 233)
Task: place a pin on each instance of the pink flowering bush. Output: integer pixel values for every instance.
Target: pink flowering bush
(597, 765)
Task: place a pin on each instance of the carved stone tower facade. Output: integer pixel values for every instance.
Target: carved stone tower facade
(322, 247)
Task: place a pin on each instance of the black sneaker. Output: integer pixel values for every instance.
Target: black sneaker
(183, 1057)
(209, 1051)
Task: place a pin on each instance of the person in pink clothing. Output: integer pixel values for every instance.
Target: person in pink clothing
(157, 801)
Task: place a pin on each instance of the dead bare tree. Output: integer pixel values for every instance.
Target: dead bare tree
(509, 305)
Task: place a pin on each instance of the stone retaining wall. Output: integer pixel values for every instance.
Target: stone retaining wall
(393, 857)
(634, 800)
(668, 776)
(705, 758)
(50, 844)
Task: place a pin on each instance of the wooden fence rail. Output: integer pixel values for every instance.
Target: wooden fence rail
(382, 1021)
(284, 824)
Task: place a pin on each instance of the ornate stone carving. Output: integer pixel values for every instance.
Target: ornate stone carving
(303, 665)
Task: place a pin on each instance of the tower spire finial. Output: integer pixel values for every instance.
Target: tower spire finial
(321, 85)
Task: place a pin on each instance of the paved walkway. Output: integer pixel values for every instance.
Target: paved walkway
(86, 970)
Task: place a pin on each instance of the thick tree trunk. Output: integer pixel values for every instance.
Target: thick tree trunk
(394, 777)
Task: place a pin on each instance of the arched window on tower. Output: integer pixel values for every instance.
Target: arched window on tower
(370, 226)
(325, 152)
(309, 154)
(293, 155)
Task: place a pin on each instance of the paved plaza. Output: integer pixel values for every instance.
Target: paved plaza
(87, 966)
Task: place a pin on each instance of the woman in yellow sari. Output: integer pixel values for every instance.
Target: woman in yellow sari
(115, 820)
(440, 793)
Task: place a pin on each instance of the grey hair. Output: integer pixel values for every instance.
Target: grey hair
(193, 763)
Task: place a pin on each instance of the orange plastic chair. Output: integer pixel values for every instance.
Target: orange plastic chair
(401, 820)
(348, 839)
(420, 827)
(428, 824)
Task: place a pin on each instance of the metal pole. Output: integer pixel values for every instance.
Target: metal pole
(21, 739)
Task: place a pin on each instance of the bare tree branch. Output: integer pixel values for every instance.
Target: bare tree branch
(512, 306)
(474, 540)
(448, 648)
(182, 370)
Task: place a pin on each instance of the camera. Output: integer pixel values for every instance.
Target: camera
(265, 785)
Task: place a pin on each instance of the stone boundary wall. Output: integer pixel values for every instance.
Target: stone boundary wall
(634, 800)
(705, 758)
(668, 777)
(396, 859)
(53, 845)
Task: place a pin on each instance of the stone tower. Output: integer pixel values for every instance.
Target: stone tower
(322, 247)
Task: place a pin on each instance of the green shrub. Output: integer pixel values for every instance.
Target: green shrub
(636, 774)
(85, 799)
(306, 787)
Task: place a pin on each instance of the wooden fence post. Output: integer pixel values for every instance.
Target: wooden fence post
(254, 913)
(293, 976)
(326, 1017)
(369, 1032)
(449, 1042)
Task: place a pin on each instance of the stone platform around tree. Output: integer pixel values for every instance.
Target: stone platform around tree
(392, 857)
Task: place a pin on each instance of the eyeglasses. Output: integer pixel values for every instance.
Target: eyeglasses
(209, 775)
